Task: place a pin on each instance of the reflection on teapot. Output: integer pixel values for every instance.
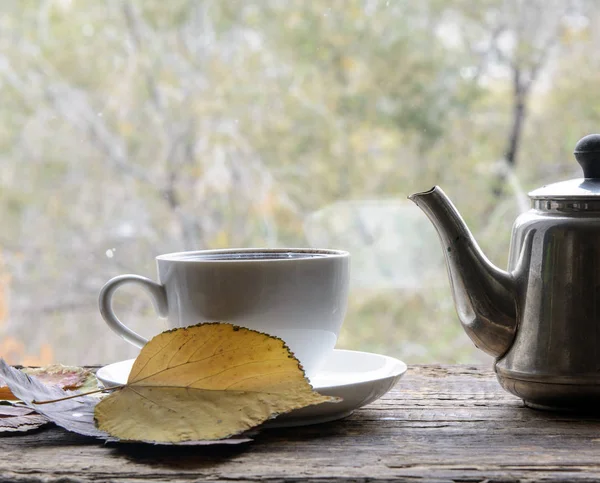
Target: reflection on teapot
(541, 317)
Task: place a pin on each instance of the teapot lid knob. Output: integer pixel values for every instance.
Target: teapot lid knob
(587, 153)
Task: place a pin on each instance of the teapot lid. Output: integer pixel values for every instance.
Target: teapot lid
(587, 153)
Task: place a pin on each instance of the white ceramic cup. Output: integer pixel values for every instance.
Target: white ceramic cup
(299, 295)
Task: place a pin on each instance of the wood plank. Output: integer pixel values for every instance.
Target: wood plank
(441, 423)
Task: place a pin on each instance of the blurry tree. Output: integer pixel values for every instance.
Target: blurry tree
(518, 36)
(131, 128)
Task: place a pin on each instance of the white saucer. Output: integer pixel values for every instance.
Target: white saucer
(359, 378)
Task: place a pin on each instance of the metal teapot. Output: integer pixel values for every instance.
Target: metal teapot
(540, 319)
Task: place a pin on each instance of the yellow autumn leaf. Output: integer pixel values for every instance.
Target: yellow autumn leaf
(205, 382)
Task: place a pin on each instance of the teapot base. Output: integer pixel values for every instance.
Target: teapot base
(572, 396)
(586, 409)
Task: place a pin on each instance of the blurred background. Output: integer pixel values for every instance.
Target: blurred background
(133, 128)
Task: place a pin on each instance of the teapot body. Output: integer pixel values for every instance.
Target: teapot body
(540, 319)
(554, 360)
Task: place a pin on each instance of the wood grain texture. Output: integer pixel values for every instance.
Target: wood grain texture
(441, 423)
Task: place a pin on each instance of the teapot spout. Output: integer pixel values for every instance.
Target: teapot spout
(484, 295)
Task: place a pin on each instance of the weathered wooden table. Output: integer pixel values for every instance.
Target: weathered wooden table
(441, 423)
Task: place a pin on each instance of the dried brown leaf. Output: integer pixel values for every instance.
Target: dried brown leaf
(75, 415)
(66, 377)
(20, 419)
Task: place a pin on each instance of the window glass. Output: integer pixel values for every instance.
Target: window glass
(134, 128)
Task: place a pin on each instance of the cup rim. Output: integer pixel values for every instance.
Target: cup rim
(192, 256)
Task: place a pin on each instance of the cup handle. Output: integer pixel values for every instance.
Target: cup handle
(159, 300)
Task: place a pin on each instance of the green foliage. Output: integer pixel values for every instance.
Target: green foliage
(152, 126)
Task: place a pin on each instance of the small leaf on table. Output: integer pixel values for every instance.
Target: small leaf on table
(19, 419)
(67, 377)
(75, 415)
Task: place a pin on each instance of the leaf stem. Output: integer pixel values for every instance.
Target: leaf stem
(73, 396)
